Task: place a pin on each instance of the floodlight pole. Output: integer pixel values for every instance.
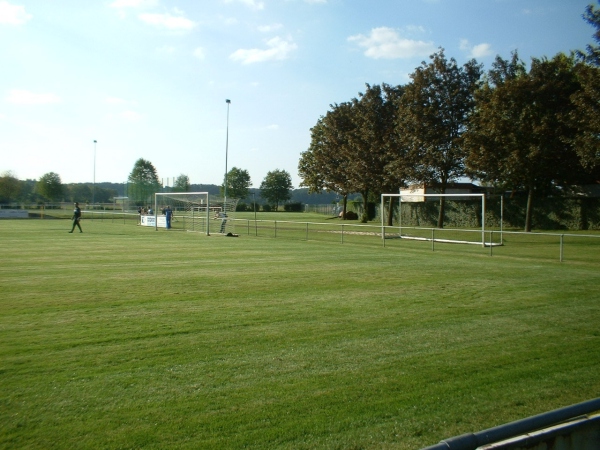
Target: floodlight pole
(94, 184)
(226, 151)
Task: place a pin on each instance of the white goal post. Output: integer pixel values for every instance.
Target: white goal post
(192, 208)
(418, 197)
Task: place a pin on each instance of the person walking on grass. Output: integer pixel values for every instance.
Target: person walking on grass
(76, 218)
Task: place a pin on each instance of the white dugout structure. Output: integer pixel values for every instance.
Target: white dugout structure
(418, 197)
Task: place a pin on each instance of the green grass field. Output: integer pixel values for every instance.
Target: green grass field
(125, 337)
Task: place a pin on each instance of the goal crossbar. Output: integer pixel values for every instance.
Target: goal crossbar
(419, 195)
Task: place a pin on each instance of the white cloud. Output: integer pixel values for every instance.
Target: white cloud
(23, 97)
(384, 42)
(278, 49)
(481, 50)
(315, 1)
(269, 28)
(199, 53)
(476, 51)
(167, 21)
(250, 3)
(13, 14)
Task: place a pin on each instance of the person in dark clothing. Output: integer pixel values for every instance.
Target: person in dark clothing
(76, 218)
(168, 213)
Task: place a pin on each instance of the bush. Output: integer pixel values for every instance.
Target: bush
(266, 208)
(293, 207)
(241, 207)
(351, 215)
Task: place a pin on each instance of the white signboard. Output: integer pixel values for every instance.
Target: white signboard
(150, 221)
(13, 214)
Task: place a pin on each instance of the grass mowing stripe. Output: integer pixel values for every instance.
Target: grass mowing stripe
(127, 337)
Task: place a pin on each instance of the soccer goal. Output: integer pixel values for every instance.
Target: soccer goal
(188, 211)
(193, 211)
(476, 235)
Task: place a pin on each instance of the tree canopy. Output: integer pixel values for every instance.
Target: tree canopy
(238, 183)
(143, 181)
(520, 135)
(276, 187)
(10, 187)
(433, 116)
(182, 183)
(50, 186)
(592, 16)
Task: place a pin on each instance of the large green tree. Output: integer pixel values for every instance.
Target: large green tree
(433, 116)
(586, 116)
(592, 16)
(81, 192)
(143, 182)
(50, 186)
(10, 187)
(276, 187)
(373, 133)
(182, 184)
(520, 134)
(325, 165)
(238, 183)
(353, 147)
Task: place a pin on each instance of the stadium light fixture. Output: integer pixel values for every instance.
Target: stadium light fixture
(226, 149)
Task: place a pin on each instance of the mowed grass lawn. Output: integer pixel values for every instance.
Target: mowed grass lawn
(126, 337)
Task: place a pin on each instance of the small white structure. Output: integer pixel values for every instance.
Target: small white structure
(422, 193)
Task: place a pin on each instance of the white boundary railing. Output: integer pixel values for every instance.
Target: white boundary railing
(345, 230)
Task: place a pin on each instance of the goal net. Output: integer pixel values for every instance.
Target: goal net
(416, 215)
(194, 211)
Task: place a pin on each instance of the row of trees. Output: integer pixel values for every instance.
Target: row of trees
(276, 188)
(142, 183)
(49, 187)
(535, 130)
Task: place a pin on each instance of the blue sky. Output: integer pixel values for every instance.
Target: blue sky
(149, 78)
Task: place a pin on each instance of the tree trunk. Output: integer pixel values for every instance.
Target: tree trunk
(390, 218)
(365, 215)
(440, 223)
(529, 211)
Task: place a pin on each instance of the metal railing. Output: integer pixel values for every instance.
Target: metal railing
(552, 246)
(472, 441)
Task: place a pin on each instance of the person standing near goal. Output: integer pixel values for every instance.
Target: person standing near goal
(223, 216)
(76, 218)
(168, 215)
